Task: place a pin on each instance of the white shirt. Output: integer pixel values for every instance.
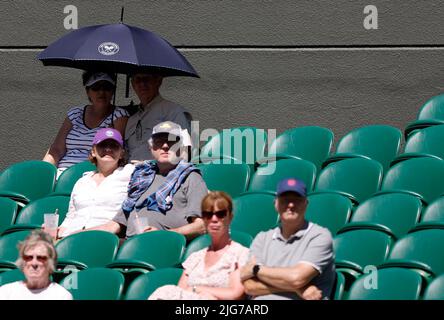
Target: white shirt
(92, 205)
(19, 291)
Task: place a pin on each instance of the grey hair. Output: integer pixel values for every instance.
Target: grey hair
(37, 237)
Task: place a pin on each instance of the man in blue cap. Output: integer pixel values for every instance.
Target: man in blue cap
(294, 260)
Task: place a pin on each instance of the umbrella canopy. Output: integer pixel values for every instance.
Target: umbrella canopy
(118, 48)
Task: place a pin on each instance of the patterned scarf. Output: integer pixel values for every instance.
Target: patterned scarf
(161, 200)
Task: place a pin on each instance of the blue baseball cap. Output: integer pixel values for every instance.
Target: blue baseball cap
(292, 185)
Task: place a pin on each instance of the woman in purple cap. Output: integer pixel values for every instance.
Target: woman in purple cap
(98, 195)
(74, 139)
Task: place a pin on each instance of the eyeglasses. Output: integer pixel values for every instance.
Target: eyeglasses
(28, 258)
(219, 214)
(106, 86)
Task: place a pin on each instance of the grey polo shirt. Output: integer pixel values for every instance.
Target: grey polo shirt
(312, 244)
(155, 112)
(186, 204)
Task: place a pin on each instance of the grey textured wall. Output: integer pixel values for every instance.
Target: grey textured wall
(266, 63)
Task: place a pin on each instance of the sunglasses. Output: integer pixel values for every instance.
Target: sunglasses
(106, 86)
(219, 214)
(28, 258)
(159, 142)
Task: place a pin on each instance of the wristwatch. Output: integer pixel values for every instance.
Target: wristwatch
(256, 269)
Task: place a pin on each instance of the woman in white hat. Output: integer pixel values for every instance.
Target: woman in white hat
(74, 139)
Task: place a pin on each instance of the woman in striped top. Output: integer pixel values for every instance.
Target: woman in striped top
(73, 142)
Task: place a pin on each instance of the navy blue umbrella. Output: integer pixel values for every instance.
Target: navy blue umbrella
(118, 48)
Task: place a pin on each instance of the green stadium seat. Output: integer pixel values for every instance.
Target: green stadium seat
(253, 213)
(144, 285)
(421, 177)
(431, 114)
(69, 177)
(357, 249)
(204, 241)
(9, 249)
(393, 213)
(329, 210)
(95, 284)
(151, 250)
(356, 178)
(433, 216)
(435, 289)
(27, 181)
(392, 284)
(310, 143)
(231, 178)
(268, 175)
(11, 276)
(424, 143)
(339, 287)
(377, 142)
(235, 145)
(8, 213)
(420, 250)
(87, 249)
(31, 216)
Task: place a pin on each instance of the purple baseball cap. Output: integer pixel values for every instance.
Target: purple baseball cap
(108, 133)
(292, 185)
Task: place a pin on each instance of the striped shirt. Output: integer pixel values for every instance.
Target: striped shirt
(80, 137)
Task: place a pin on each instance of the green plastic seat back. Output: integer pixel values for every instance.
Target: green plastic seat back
(339, 287)
(434, 212)
(8, 213)
(329, 210)
(268, 175)
(359, 248)
(33, 212)
(435, 289)
(398, 212)
(92, 248)
(358, 177)
(423, 176)
(11, 276)
(231, 178)
(310, 143)
(204, 241)
(424, 246)
(253, 213)
(378, 142)
(159, 248)
(432, 109)
(392, 284)
(9, 245)
(69, 177)
(31, 179)
(245, 144)
(144, 285)
(427, 141)
(95, 284)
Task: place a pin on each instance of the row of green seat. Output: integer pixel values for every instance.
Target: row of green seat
(378, 142)
(395, 213)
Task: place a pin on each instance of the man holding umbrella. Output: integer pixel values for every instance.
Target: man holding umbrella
(153, 109)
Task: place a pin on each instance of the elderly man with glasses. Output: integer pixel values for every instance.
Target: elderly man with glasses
(37, 260)
(164, 193)
(153, 109)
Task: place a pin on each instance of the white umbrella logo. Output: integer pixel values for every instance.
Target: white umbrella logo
(108, 48)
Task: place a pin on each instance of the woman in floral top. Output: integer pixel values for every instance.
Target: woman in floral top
(211, 273)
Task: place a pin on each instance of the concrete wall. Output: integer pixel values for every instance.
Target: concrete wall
(265, 63)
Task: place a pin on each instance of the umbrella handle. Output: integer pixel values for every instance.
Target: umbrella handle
(121, 14)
